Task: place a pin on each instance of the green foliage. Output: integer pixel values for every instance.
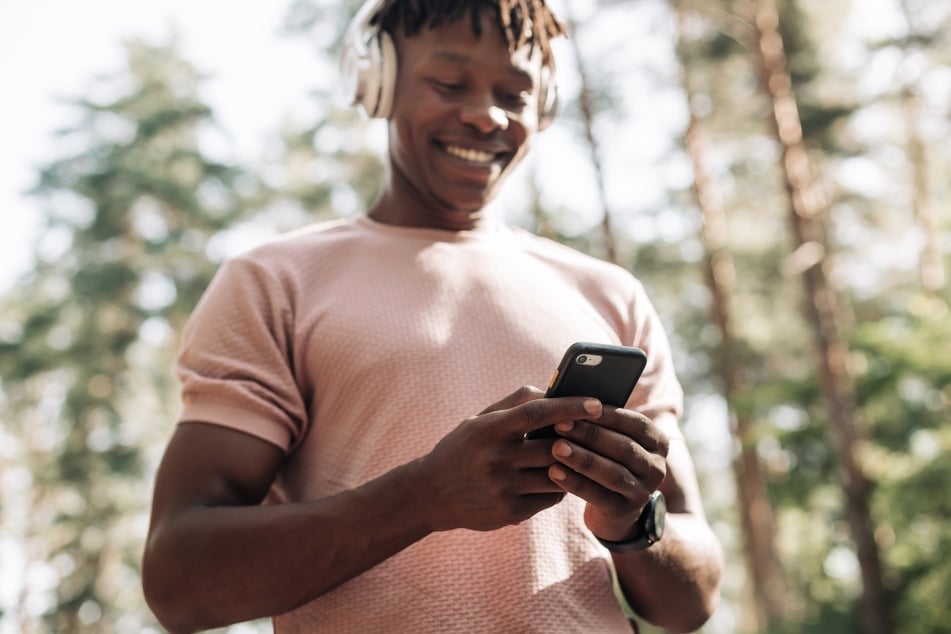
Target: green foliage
(906, 394)
(897, 337)
(122, 258)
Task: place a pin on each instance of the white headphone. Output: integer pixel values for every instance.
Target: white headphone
(368, 69)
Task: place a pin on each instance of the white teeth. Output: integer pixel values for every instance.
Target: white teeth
(467, 154)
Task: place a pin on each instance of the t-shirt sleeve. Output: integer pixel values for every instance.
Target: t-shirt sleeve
(658, 394)
(235, 363)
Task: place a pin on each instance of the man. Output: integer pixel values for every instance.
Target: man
(335, 375)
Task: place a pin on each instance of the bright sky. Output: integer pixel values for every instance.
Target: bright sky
(52, 48)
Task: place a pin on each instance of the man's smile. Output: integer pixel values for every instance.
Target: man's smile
(471, 155)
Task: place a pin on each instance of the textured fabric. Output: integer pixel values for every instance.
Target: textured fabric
(317, 341)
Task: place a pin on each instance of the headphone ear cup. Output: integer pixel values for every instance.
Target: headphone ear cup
(547, 98)
(351, 80)
(368, 64)
(386, 76)
(369, 97)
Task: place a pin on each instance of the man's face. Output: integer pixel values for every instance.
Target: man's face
(464, 112)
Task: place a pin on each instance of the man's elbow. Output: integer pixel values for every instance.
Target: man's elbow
(165, 593)
(166, 608)
(696, 606)
(706, 600)
(685, 615)
(693, 617)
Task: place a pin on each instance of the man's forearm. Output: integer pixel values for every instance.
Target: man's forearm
(219, 565)
(675, 583)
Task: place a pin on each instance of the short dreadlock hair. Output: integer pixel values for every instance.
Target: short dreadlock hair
(521, 21)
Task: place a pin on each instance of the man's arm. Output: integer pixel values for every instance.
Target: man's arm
(675, 583)
(615, 463)
(214, 556)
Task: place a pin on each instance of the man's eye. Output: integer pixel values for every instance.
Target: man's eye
(515, 100)
(447, 86)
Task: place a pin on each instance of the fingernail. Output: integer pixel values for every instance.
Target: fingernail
(557, 473)
(593, 407)
(562, 449)
(568, 426)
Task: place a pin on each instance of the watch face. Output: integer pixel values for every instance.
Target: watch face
(660, 515)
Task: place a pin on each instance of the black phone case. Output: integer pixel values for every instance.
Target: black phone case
(611, 382)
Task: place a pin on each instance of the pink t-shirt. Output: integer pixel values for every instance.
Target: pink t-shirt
(318, 341)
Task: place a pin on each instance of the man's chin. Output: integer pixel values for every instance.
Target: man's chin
(471, 205)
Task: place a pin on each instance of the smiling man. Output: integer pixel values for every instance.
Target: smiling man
(337, 464)
(465, 111)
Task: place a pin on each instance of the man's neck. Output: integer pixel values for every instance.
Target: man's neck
(390, 211)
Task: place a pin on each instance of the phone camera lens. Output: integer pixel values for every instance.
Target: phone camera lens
(582, 359)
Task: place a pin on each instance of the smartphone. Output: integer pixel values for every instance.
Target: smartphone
(602, 371)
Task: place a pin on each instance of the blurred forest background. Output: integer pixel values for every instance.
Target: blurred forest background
(783, 194)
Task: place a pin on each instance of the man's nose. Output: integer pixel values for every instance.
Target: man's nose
(485, 117)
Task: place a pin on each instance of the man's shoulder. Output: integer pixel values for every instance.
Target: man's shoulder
(288, 259)
(302, 247)
(324, 233)
(571, 259)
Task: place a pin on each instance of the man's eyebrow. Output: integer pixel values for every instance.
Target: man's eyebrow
(451, 56)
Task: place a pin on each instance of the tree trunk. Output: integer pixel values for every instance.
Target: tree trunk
(594, 150)
(543, 223)
(756, 515)
(930, 265)
(806, 207)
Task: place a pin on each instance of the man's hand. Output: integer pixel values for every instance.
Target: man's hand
(613, 462)
(483, 475)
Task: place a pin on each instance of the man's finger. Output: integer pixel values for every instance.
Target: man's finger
(535, 481)
(629, 424)
(542, 412)
(521, 395)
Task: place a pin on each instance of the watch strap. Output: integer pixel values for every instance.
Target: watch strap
(647, 533)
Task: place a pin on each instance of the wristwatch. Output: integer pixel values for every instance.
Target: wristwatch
(650, 525)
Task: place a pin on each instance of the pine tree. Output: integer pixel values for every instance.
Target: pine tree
(807, 208)
(766, 580)
(131, 211)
